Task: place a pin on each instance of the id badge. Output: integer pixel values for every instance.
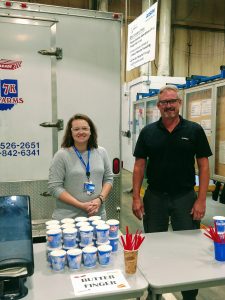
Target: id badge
(89, 188)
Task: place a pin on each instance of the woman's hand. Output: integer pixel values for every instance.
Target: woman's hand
(92, 207)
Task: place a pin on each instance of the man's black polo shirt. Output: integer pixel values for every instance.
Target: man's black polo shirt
(171, 156)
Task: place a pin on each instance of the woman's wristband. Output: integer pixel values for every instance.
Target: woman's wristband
(101, 198)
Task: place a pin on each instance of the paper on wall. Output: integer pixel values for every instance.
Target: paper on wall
(195, 109)
(206, 107)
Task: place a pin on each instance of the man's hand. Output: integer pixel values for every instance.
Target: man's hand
(198, 209)
(138, 208)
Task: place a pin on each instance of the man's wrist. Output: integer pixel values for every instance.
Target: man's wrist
(136, 199)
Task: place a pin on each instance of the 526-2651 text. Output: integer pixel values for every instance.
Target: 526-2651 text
(19, 149)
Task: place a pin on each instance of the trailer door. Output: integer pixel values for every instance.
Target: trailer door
(25, 102)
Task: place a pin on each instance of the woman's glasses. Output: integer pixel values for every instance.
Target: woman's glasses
(77, 129)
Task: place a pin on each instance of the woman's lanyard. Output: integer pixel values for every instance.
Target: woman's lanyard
(87, 166)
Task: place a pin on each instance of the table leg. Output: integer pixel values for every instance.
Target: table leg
(156, 296)
(222, 195)
(153, 296)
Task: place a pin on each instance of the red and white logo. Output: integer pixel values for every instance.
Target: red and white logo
(7, 64)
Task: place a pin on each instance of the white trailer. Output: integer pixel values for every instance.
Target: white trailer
(55, 62)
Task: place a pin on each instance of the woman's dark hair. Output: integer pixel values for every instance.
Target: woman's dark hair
(68, 140)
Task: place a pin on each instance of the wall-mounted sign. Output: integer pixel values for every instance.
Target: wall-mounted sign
(141, 38)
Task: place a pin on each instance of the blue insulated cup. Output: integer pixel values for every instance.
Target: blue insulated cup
(219, 249)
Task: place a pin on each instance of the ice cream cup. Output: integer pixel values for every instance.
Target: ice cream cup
(86, 235)
(89, 256)
(80, 219)
(113, 227)
(54, 238)
(104, 254)
(114, 242)
(67, 220)
(58, 259)
(52, 222)
(74, 258)
(69, 237)
(102, 231)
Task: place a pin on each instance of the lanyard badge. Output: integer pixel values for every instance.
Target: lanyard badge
(89, 187)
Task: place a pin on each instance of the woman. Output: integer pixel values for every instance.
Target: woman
(80, 175)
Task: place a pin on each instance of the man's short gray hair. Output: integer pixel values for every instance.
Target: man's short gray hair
(168, 87)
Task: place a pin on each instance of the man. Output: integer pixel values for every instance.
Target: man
(171, 145)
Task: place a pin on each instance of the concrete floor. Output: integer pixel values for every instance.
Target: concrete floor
(128, 219)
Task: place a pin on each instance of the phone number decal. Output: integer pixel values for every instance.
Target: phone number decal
(19, 149)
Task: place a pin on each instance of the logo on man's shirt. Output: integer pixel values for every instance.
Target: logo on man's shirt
(185, 138)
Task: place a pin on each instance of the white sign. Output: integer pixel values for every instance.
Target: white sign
(206, 107)
(97, 282)
(141, 38)
(196, 109)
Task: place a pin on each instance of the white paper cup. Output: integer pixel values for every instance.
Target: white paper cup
(104, 254)
(102, 231)
(89, 256)
(54, 238)
(58, 259)
(74, 258)
(80, 219)
(219, 221)
(113, 227)
(86, 235)
(67, 220)
(52, 222)
(69, 237)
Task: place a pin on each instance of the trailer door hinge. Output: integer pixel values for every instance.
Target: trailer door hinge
(126, 133)
(59, 124)
(55, 52)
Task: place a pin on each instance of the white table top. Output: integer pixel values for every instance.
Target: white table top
(181, 260)
(47, 284)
